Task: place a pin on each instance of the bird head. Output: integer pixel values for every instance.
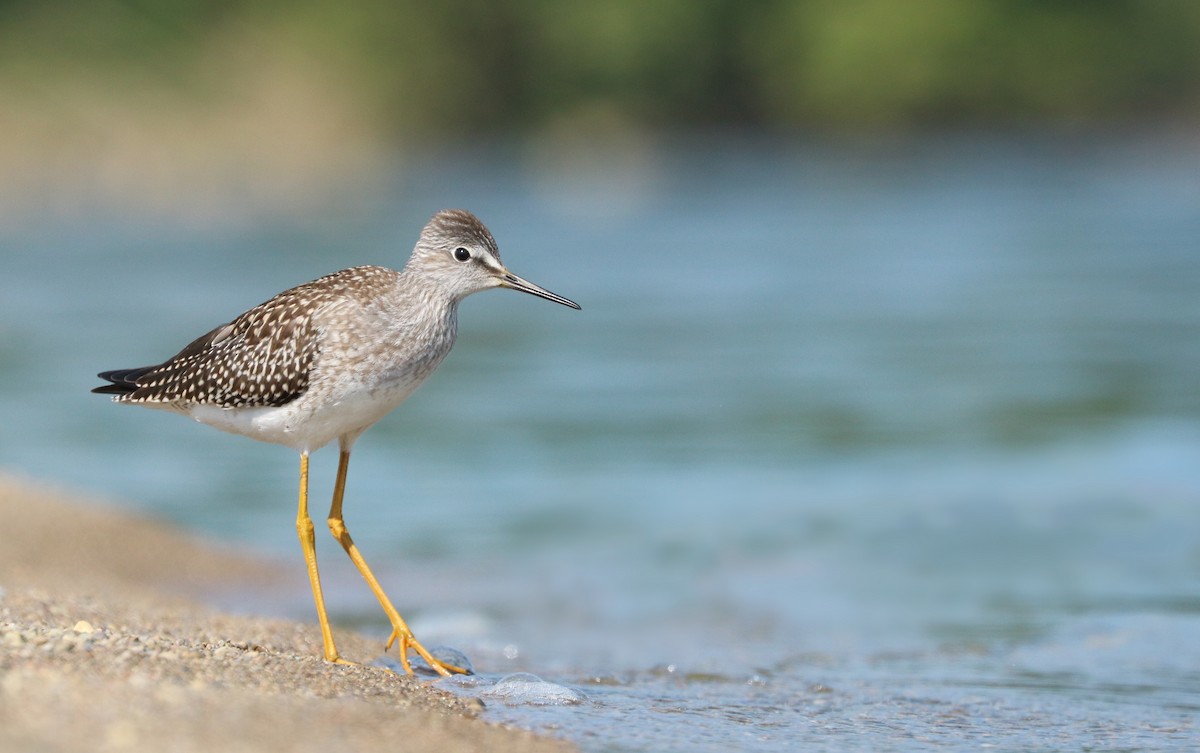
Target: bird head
(458, 251)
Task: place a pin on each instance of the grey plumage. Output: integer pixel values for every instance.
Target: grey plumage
(266, 357)
(327, 359)
(261, 358)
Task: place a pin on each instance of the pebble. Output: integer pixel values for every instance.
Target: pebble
(444, 654)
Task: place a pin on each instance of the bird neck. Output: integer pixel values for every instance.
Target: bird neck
(422, 311)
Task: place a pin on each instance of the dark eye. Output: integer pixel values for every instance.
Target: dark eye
(462, 254)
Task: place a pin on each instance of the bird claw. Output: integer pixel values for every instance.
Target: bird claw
(405, 640)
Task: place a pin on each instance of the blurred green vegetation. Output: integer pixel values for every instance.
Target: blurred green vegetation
(461, 67)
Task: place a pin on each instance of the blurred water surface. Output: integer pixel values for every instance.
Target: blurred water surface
(851, 448)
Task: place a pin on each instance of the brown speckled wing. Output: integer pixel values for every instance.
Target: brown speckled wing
(261, 358)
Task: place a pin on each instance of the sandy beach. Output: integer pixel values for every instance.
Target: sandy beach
(106, 644)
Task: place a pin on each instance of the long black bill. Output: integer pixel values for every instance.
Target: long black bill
(509, 280)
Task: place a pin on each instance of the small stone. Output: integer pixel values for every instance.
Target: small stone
(444, 654)
(83, 626)
(13, 639)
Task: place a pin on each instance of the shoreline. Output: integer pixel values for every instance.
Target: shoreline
(106, 644)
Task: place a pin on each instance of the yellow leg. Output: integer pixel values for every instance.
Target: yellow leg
(400, 631)
(304, 527)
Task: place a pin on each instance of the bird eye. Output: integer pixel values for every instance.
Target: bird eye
(462, 254)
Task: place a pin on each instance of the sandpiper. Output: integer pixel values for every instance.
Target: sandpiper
(326, 360)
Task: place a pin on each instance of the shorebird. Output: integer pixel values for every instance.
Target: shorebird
(325, 361)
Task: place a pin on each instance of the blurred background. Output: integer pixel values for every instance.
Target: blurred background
(197, 103)
(880, 417)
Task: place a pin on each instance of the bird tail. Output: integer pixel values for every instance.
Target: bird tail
(121, 381)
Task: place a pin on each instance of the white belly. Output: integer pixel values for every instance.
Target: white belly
(310, 422)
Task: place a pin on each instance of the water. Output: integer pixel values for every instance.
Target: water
(849, 449)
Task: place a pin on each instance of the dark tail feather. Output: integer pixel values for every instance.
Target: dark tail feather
(123, 381)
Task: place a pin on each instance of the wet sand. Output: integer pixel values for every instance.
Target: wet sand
(106, 644)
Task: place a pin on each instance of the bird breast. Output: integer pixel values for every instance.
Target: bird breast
(367, 363)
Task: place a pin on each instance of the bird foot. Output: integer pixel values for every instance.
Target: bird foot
(405, 641)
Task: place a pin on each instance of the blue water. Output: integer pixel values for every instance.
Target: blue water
(851, 448)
